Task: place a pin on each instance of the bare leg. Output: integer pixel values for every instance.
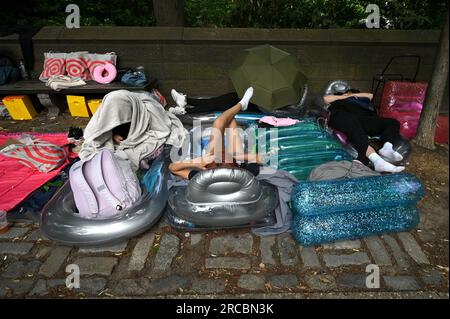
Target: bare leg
(235, 145)
(216, 139)
(369, 151)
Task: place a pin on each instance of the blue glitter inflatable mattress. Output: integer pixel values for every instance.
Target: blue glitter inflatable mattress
(325, 211)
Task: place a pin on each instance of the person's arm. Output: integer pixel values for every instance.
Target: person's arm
(366, 95)
(184, 174)
(179, 166)
(183, 168)
(332, 98)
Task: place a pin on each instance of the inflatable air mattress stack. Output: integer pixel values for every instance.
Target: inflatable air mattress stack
(302, 147)
(325, 211)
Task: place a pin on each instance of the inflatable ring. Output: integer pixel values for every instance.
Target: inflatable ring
(60, 221)
(223, 198)
(403, 146)
(105, 73)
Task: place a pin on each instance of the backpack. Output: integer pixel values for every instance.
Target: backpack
(104, 186)
(8, 72)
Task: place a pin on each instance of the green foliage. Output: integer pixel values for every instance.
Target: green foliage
(92, 13)
(212, 13)
(412, 14)
(298, 13)
(406, 14)
(396, 14)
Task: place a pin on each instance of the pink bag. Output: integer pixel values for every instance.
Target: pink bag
(104, 186)
(54, 64)
(403, 101)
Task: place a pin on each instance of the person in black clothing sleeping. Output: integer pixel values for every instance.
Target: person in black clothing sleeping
(353, 115)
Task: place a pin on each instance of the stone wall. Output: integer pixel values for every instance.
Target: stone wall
(196, 60)
(10, 47)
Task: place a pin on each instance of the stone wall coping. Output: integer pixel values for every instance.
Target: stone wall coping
(13, 38)
(237, 35)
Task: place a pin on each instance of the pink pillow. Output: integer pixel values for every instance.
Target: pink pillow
(105, 73)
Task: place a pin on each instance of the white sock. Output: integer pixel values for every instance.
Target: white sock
(177, 110)
(382, 166)
(179, 98)
(391, 155)
(246, 99)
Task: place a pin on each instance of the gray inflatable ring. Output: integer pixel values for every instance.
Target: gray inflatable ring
(60, 221)
(223, 198)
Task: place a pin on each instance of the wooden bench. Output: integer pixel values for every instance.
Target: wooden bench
(55, 101)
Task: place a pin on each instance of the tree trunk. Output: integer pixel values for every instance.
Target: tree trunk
(435, 93)
(169, 13)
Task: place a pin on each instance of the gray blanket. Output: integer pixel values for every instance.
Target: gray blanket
(340, 169)
(151, 126)
(284, 182)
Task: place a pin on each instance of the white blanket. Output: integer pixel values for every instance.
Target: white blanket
(151, 127)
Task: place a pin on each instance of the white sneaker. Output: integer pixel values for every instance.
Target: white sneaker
(179, 98)
(177, 110)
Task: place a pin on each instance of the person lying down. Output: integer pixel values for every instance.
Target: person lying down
(219, 155)
(132, 124)
(351, 114)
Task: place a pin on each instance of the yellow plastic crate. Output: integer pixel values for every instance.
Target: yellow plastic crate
(94, 104)
(77, 106)
(20, 107)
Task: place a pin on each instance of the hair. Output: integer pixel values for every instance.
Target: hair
(122, 130)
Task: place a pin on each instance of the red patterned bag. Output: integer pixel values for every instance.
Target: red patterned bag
(82, 64)
(76, 65)
(54, 64)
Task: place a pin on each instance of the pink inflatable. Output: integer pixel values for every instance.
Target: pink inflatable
(403, 101)
(105, 73)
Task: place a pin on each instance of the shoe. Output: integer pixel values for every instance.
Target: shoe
(179, 98)
(177, 110)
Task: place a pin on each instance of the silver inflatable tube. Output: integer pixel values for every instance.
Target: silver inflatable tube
(207, 119)
(60, 221)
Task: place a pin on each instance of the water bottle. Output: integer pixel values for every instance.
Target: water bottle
(140, 69)
(141, 75)
(23, 71)
(3, 222)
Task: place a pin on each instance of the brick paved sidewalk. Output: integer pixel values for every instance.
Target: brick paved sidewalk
(224, 263)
